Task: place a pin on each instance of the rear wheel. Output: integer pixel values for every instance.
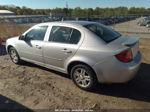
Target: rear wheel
(84, 77)
(14, 55)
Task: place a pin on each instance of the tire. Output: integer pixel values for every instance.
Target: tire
(84, 77)
(14, 55)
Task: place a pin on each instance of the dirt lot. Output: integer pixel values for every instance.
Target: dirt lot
(35, 88)
(8, 30)
(131, 26)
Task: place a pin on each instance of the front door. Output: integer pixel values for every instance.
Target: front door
(31, 48)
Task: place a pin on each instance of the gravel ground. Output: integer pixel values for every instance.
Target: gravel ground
(35, 88)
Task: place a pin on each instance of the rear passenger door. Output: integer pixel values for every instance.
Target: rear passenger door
(62, 44)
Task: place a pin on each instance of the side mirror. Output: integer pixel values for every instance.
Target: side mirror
(21, 37)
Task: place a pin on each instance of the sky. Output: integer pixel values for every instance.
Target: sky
(49, 4)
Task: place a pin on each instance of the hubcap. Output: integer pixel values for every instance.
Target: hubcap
(14, 56)
(82, 78)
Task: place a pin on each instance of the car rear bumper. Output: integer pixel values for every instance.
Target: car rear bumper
(114, 71)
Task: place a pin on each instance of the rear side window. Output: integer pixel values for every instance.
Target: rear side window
(62, 34)
(75, 37)
(37, 33)
(105, 33)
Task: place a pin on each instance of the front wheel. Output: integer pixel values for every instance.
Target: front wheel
(84, 77)
(14, 55)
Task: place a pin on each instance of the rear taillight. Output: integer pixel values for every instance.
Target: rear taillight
(125, 56)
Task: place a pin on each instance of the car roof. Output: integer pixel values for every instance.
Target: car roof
(78, 23)
(82, 23)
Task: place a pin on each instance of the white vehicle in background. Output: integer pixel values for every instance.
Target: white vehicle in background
(148, 25)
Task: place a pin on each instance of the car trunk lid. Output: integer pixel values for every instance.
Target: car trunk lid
(123, 43)
(133, 43)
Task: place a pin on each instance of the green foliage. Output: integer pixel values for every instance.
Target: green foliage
(78, 12)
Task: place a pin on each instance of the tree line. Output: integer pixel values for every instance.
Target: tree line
(79, 12)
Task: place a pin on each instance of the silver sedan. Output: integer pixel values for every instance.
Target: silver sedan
(88, 51)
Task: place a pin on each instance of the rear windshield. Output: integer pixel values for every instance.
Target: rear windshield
(105, 33)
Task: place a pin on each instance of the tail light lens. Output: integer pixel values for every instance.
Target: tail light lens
(125, 56)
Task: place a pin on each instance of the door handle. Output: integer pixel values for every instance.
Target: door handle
(38, 47)
(66, 50)
(69, 52)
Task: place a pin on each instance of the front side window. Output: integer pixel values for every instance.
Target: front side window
(62, 34)
(105, 33)
(37, 33)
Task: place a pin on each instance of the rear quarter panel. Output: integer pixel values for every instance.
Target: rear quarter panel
(91, 51)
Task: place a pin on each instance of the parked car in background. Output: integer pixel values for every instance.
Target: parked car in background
(90, 52)
(40, 19)
(148, 25)
(144, 22)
